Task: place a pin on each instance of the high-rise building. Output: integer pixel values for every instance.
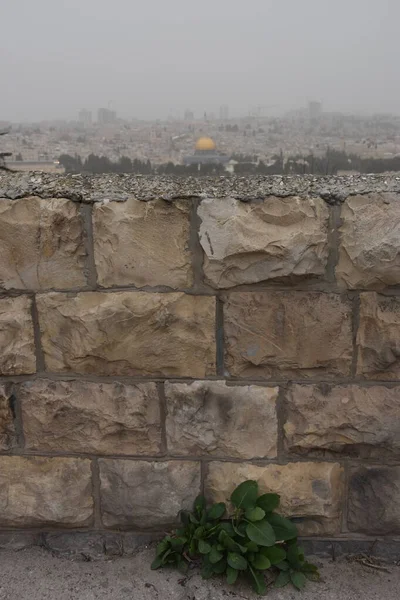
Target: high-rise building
(188, 115)
(85, 117)
(105, 116)
(314, 109)
(224, 112)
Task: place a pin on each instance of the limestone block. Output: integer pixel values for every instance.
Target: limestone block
(17, 347)
(128, 333)
(287, 334)
(311, 492)
(142, 243)
(378, 337)
(41, 244)
(362, 421)
(369, 254)
(374, 500)
(146, 494)
(39, 491)
(7, 429)
(86, 417)
(251, 242)
(210, 417)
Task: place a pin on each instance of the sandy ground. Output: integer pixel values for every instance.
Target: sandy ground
(35, 574)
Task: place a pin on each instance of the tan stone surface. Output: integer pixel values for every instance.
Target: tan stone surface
(17, 348)
(7, 429)
(128, 333)
(311, 492)
(146, 494)
(362, 421)
(378, 337)
(369, 255)
(142, 243)
(86, 417)
(41, 491)
(247, 243)
(41, 244)
(287, 334)
(210, 417)
(374, 500)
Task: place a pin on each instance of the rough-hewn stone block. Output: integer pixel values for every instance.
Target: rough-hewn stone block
(128, 333)
(7, 429)
(17, 348)
(146, 494)
(369, 255)
(312, 492)
(41, 244)
(374, 500)
(45, 491)
(363, 421)
(247, 243)
(80, 416)
(142, 243)
(378, 337)
(209, 417)
(287, 334)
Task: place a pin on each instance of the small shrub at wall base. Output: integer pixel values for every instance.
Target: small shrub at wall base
(252, 542)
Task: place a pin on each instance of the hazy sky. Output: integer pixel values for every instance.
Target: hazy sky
(152, 57)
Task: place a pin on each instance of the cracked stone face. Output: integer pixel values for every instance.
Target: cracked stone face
(17, 347)
(7, 429)
(142, 243)
(277, 238)
(41, 244)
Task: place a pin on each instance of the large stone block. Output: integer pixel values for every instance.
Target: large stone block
(209, 417)
(146, 494)
(80, 416)
(310, 492)
(361, 421)
(128, 333)
(41, 244)
(17, 347)
(287, 334)
(142, 243)
(36, 492)
(378, 337)
(374, 500)
(369, 254)
(7, 429)
(247, 243)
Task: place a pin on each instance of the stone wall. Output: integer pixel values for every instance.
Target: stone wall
(162, 337)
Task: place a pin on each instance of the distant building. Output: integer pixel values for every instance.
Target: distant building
(224, 112)
(105, 116)
(188, 115)
(206, 154)
(314, 109)
(85, 117)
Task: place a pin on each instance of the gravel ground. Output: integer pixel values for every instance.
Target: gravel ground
(35, 574)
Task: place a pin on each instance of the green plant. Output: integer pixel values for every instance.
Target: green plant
(250, 541)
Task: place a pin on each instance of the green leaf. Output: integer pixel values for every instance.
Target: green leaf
(193, 519)
(165, 556)
(237, 561)
(261, 562)
(227, 541)
(182, 565)
(184, 516)
(275, 554)
(293, 557)
(215, 556)
(231, 575)
(162, 547)
(199, 504)
(225, 526)
(268, 502)
(203, 517)
(207, 570)
(255, 514)
(282, 579)
(284, 529)
(216, 511)
(245, 495)
(178, 543)
(309, 568)
(157, 563)
(251, 546)
(240, 530)
(261, 533)
(258, 582)
(298, 579)
(199, 532)
(283, 566)
(220, 567)
(204, 548)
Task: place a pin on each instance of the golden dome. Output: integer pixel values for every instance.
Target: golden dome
(205, 143)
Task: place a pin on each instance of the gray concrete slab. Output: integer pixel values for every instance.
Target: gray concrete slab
(37, 574)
